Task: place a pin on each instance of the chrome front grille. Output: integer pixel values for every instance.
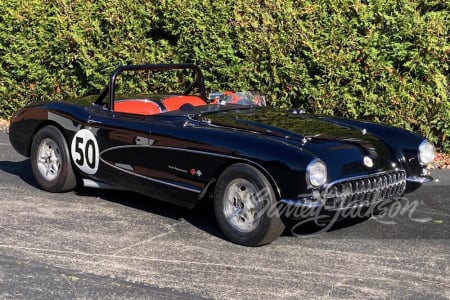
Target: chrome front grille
(364, 190)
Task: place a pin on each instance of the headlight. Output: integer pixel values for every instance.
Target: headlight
(426, 152)
(316, 173)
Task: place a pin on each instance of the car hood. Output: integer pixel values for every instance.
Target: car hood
(354, 148)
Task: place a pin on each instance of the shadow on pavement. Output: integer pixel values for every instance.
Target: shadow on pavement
(22, 169)
(202, 216)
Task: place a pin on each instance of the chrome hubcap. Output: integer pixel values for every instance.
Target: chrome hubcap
(49, 159)
(241, 207)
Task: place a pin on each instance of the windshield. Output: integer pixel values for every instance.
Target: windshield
(253, 98)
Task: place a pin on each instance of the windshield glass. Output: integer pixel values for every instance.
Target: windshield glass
(244, 98)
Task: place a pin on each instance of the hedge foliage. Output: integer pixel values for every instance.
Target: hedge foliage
(379, 60)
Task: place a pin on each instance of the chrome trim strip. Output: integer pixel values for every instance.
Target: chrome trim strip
(124, 147)
(100, 185)
(172, 148)
(191, 151)
(200, 152)
(197, 190)
(419, 179)
(301, 203)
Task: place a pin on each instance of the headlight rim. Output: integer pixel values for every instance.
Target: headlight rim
(420, 152)
(310, 165)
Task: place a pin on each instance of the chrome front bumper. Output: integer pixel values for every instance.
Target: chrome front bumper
(358, 191)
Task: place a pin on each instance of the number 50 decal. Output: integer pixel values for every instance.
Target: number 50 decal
(84, 151)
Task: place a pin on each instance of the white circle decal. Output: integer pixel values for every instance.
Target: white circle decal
(84, 151)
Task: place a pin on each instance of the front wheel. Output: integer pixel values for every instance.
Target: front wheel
(50, 161)
(245, 206)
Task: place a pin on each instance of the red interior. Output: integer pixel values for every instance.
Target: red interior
(174, 103)
(136, 106)
(149, 107)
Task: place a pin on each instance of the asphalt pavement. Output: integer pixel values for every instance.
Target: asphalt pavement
(93, 244)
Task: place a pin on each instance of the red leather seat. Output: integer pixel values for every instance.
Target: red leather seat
(174, 103)
(137, 106)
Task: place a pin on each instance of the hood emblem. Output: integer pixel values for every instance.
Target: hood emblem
(368, 162)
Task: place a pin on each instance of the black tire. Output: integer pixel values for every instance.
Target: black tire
(50, 161)
(246, 206)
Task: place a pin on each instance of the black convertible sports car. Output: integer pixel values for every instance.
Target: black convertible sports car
(252, 160)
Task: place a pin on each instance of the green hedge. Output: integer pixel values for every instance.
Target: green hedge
(379, 60)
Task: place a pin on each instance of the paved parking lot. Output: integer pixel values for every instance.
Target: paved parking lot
(115, 245)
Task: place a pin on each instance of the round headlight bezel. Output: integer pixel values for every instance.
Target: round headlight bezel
(316, 173)
(426, 152)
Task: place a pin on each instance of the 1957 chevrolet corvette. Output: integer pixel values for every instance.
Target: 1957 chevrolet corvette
(250, 159)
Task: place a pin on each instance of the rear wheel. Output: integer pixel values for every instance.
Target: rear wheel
(50, 161)
(245, 206)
